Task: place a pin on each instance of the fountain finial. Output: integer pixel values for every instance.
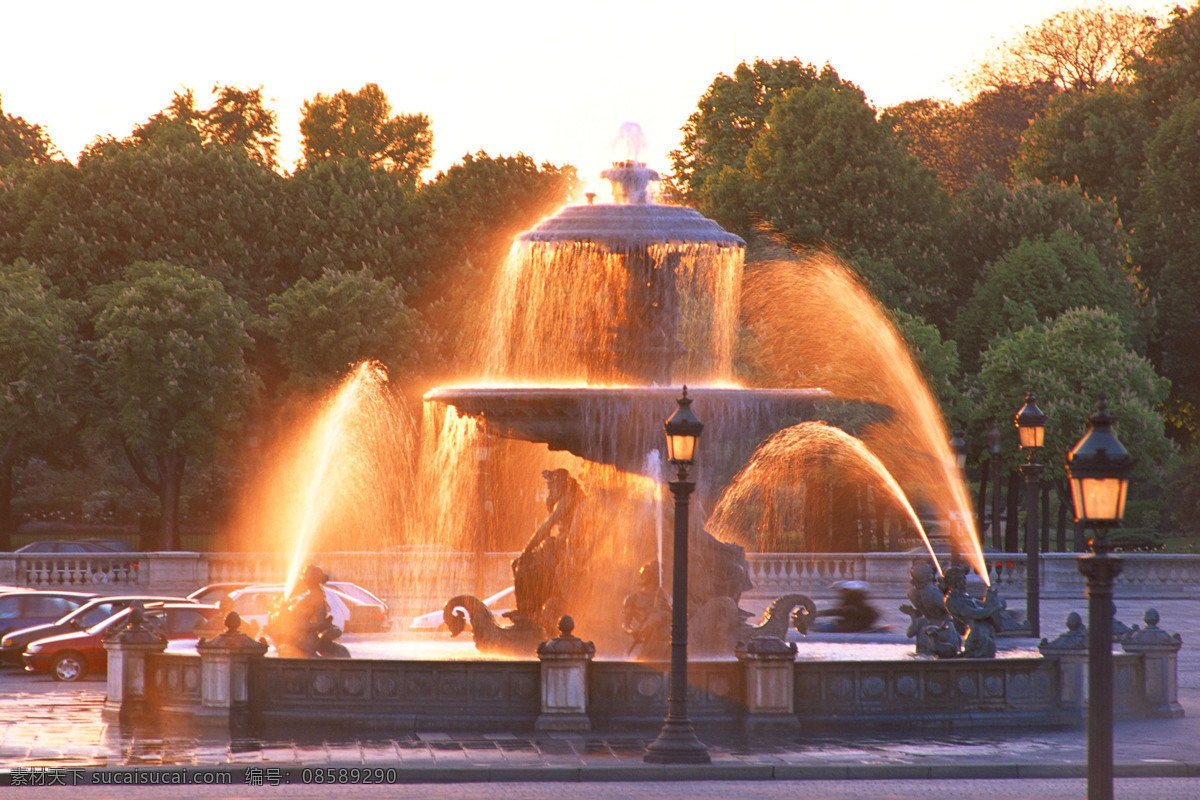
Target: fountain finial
(629, 181)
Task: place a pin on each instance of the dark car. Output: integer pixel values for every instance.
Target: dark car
(24, 608)
(72, 656)
(12, 645)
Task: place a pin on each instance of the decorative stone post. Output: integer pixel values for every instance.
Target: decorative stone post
(1160, 654)
(564, 680)
(770, 666)
(127, 651)
(1071, 650)
(225, 671)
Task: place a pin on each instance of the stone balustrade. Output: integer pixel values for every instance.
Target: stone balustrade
(419, 581)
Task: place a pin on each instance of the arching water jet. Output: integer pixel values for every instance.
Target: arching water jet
(771, 494)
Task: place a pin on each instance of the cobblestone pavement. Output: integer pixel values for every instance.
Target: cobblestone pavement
(49, 729)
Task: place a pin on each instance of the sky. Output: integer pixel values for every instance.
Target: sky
(554, 80)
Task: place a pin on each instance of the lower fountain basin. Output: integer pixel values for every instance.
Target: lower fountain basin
(582, 420)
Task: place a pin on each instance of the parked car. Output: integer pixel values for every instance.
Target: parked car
(72, 656)
(215, 592)
(499, 603)
(24, 608)
(12, 645)
(368, 612)
(255, 603)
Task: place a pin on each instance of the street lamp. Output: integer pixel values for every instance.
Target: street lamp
(677, 742)
(994, 449)
(1031, 429)
(1098, 469)
(958, 446)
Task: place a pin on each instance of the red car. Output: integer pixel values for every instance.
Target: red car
(71, 656)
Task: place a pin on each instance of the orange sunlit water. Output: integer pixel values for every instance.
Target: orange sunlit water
(774, 494)
(813, 323)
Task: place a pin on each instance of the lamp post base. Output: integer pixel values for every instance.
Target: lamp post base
(677, 744)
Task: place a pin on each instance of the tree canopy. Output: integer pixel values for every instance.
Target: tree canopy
(361, 125)
(171, 371)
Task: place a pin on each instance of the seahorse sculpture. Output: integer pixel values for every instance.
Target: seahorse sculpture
(785, 611)
(519, 638)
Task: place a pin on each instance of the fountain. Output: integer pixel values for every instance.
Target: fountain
(599, 314)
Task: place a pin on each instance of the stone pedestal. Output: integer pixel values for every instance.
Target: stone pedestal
(1160, 654)
(224, 671)
(127, 651)
(1071, 651)
(770, 665)
(564, 681)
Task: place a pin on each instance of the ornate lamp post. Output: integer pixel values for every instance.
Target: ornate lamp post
(994, 450)
(677, 742)
(1098, 469)
(1031, 428)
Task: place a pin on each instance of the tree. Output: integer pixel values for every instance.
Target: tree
(1168, 73)
(39, 369)
(361, 125)
(238, 120)
(168, 198)
(960, 141)
(1068, 363)
(1097, 138)
(1167, 232)
(324, 327)
(988, 219)
(1081, 49)
(1037, 280)
(170, 370)
(469, 216)
(344, 215)
(21, 141)
(825, 173)
(939, 361)
(731, 114)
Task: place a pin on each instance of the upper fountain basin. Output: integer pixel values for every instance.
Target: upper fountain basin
(624, 227)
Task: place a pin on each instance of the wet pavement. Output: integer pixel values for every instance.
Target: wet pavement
(55, 733)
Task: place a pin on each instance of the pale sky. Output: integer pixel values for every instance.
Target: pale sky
(554, 80)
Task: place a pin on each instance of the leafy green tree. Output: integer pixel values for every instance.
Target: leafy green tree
(825, 172)
(988, 219)
(21, 141)
(1096, 138)
(1168, 73)
(322, 328)
(204, 207)
(1037, 280)
(1167, 232)
(1068, 363)
(39, 372)
(342, 214)
(171, 373)
(731, 115)
(361, 125)
(469, 216)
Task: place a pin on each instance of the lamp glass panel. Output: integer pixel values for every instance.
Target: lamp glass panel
(1031, 436)
(1100, 498)
(681, 448)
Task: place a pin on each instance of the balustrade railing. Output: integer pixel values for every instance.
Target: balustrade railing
(418, 581)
